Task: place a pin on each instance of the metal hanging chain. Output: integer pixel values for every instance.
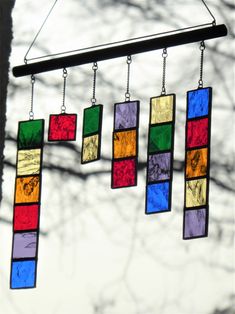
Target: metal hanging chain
(31, 113)
(214, 20)
(39, 31)
(202, 48)
(65, 74)
(164, 56)
(127, 94)
(94, 68)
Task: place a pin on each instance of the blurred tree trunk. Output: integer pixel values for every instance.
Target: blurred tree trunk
(6, 7)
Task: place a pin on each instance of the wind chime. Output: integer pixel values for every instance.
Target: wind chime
(160, 151)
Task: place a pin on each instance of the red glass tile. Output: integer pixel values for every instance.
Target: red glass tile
(62, 127)
(124, 173)
(197, 133)
(26, 217)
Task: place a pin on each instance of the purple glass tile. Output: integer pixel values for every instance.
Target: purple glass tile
(25, 244)
(195, 223)
(159, 167)
(126, 115)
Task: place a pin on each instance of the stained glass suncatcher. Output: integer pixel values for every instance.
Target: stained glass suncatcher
(27, 204)
(92, 132)
(62, 127)
(125, 144)
(197, 152)
(160, 154)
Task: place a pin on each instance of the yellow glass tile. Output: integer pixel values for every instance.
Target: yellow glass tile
(196, 163)
(124, 144)
(162, 109)
(28, 162)
(196, 192)
(27, 189)
(90, 148)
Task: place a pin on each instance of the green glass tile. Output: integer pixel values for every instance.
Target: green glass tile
(160, 138)
(92, 119)
(30, 134)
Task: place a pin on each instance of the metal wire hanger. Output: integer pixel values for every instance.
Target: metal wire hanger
(213, 23)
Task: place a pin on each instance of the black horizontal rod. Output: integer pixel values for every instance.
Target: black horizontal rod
(117, 51)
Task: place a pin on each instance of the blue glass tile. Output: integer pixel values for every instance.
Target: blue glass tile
(158, 197)
(198, 102)
(23, 274)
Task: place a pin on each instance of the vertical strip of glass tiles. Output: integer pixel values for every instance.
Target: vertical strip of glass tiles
(160, 154)
(27, 204)
(91, 135)
(197, 157)
(125, 144)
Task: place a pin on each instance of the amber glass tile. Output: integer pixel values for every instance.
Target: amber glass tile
(196, 163)
(27, 189)
(124, 144)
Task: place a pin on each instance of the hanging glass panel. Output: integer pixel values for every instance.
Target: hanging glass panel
(125, 144)
(92, 132)
(27, 204)
(62, 127)
(197, 152)
(160, 154)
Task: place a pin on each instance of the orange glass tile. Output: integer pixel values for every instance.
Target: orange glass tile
(27, 189)
(196, 163)
(124, 144)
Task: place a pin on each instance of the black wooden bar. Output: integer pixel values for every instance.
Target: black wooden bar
(185, 37)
